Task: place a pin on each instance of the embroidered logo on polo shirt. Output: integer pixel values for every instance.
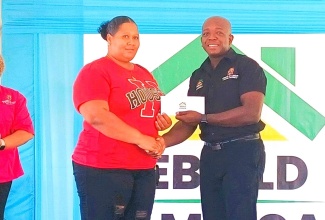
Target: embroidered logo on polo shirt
(8, 101)
(230, 74)
(199, 84)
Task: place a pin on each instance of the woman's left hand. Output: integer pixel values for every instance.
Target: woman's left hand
(163, 122)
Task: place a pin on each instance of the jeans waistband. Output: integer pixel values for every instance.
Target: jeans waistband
(221, 144)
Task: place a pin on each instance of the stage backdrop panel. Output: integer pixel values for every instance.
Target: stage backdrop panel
(293, 112)
(44, 46)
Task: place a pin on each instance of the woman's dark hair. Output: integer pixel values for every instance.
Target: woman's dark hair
(111, 27)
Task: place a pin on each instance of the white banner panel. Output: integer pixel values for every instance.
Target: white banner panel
(292, 186)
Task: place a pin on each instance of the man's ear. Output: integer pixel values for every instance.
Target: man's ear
(231, 38)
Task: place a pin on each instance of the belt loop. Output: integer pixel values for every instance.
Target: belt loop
(217, 146)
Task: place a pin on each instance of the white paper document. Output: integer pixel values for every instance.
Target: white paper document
(171, 104)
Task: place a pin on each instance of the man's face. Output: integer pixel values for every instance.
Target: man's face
(216, 37)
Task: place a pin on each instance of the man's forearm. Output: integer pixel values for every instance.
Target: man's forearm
(178, 133)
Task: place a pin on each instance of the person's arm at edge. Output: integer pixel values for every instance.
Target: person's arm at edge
(17, 139)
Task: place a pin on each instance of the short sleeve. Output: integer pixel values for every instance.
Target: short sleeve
(252, 77)
(92, 83)
(22, 119)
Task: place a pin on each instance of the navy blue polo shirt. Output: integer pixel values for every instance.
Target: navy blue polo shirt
(222, 87)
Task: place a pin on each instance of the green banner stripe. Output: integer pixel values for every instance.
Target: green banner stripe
(177, 201)
(287, 201)
(258, 201)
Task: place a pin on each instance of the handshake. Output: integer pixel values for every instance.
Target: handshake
(155, 147)
(159, 148)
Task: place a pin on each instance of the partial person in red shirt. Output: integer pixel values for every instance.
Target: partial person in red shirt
(16, 129)
(115, 157)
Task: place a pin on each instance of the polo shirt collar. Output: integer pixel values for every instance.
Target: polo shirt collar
(230, 55)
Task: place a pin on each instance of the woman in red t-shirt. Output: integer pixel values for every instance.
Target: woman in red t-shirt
(16, 128)
(115, 157)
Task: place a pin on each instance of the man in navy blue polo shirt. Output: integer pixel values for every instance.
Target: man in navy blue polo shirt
(233, 158)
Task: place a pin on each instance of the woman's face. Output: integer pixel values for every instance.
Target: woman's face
(124, 44)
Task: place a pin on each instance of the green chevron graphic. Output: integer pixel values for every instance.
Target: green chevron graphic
(282, 60)
(180, 66)
(281, 99)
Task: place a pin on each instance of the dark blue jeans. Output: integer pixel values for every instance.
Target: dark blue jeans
(109, 194)
(4, 193)
(229, 180)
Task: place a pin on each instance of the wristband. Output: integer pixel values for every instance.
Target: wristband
(204, 118)
(2, 144)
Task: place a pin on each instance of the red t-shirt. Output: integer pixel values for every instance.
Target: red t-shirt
(133, 96)
(13, 116)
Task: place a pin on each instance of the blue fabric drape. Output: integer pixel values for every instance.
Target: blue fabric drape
(59, 60)
(19, 59)
(42, 46)
(43, 67)
(166, 17)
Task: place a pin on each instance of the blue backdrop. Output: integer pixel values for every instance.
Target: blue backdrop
(42, 43)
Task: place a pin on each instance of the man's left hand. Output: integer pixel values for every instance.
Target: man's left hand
(190, 117)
